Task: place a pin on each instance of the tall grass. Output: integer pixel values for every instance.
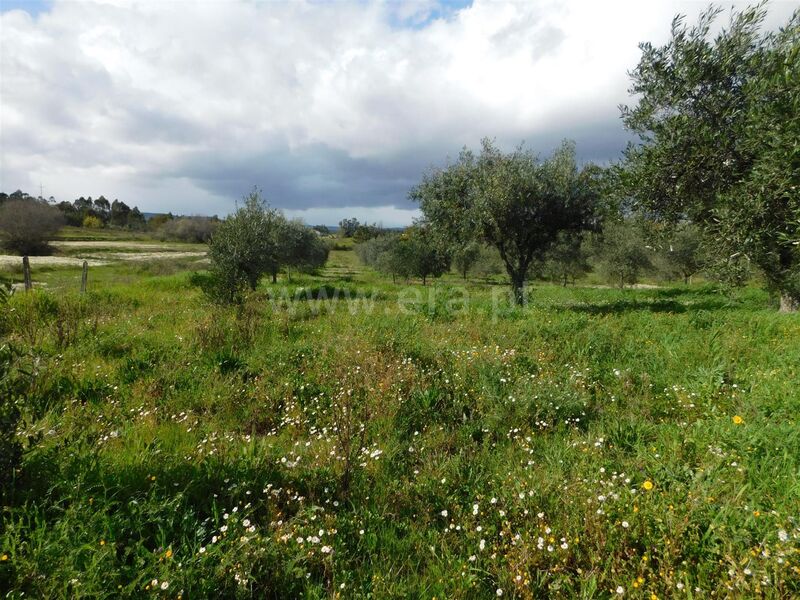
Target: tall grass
(594, 443)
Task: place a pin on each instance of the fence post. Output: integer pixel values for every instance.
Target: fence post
(84, 276)
(26, 272)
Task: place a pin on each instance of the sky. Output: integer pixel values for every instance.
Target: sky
(333, 109)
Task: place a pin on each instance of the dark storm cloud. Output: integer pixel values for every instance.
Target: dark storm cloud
(320, 176)
(183, 107)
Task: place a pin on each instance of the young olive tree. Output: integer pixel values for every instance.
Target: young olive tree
(623, 252)
(423, 252)
(245, 247)
(718, 127)
(511, 201)
(465, 256)
(567, 260)
(300, 248)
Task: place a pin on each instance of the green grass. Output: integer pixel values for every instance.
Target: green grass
(311, 449)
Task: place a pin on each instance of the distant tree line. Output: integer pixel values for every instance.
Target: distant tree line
(85, 212)
(360, 232)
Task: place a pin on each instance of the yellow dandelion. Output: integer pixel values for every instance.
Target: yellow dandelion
(102, 542)
(168, 553)
(738, 420)
(4, 558)
(648, 485)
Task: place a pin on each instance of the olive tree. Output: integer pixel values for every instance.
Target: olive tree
(245, 247)
(512, 201)
(299, 248)
(622, 251)
(717, 120)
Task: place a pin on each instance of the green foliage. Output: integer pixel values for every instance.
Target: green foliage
(513, 202)
(465, 256)
(12, 387)
(348, 227)
(416, 252)
(300, 247)
(717, 119)
(566, 261)
(683, 252)
(258, 240)
(623, 252)
(244, 248)
(92, 222)
(366, 232)
(198, 230)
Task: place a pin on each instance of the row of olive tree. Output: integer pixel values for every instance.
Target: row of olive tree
(415, 252)
(258, 240)
(716, 172)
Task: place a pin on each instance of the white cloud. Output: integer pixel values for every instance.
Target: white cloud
(183, 106)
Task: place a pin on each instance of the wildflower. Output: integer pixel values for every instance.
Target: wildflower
(164, 585)
(202, 549)
(326, 549)
(444, 512)
(648, 485)
(4, 558)
(102, 542)
(620, 590)
(168, 553)
(499, 592)
(625, 524)
(482, 544)
(737, 420)
(782, 536)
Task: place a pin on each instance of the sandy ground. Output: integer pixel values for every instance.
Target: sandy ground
(134, 256)
(116, 244)
(52, 261)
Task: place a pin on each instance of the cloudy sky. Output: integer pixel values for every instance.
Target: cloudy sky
(334, 109)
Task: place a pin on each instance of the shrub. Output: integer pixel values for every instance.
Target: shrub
(92, 222)
(26, 225)
(197, 230)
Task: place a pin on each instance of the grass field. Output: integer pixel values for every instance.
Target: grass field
(341, 436)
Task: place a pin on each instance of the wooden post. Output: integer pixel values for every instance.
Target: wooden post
(84, 276)
(26, 272)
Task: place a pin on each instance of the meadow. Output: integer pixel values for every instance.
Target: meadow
(341, 436)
